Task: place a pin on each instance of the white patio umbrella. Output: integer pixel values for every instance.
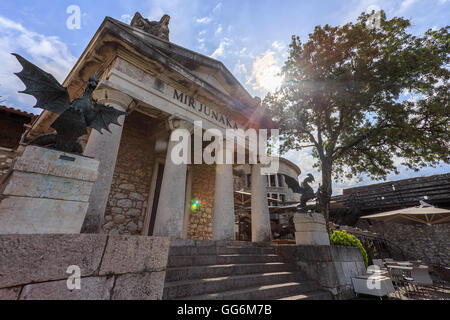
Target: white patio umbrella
(424, 213)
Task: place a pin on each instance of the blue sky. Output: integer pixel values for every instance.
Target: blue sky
(249, 36)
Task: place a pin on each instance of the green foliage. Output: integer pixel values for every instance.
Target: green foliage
(365, 98)
(342, 238)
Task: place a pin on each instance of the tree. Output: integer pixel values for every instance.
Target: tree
(344, 94)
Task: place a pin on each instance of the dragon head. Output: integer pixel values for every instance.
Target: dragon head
(92, 83)
(309, 178)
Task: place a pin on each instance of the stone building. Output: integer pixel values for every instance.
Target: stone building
(162, 87)
(12, 126)
(281, 199)
(128, 185)
(276, 185)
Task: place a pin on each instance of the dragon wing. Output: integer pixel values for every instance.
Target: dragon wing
(50, 95)
(293, 184)
(104, 116)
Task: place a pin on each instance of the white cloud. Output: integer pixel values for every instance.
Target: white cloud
(48, 52)
(220, 51)
(126, 18)
(218, 7)
(278, 46)
(219, 30)
(240, 69)
(265, 73)
(406, 4)
(204, 20)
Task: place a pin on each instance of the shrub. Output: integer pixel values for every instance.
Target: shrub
(342, 238)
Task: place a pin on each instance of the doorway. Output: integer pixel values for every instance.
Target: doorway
(159, 179)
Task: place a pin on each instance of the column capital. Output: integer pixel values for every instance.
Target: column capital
(114, 97)
(174, 123)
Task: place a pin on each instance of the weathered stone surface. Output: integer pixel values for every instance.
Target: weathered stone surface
(21, 215)
(92, 288)
(48, 162)
(125, 254)
(203, 189)
(9, 293)
(332, 266)
(311, 229)
(312, 238)
(431, 244)
(34, 258)
(132, 175)
(47, 192)
(144, 286)
(44, 186)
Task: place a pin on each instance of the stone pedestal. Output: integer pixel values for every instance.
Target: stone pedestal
(311, 229)
(47, 192)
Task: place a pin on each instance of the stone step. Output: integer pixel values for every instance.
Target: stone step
(221, 243)
(265, 292)
(213, 271)
(314, 295)
(180, 289)
(212, 250)
(204, 260)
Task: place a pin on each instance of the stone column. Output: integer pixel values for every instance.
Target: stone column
(261, 230)
(223, 227)
(104, 147)
(170, 214)
(187, 204)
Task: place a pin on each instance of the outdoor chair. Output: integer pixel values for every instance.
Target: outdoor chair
(401, 280)
(378, 262)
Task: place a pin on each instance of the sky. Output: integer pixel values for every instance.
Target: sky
(250, 37)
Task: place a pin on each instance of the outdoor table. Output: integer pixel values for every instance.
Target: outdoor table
(419, 274)
(398, 267)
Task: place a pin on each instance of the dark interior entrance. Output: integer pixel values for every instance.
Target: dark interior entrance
(159, 179)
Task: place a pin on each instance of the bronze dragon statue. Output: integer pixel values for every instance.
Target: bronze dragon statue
(74, 116)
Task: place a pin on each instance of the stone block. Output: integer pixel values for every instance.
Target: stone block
(52, 162)
(37, 258)
(133, 254)
(326, 274)
(22, 215)
(312, 238)
(24, 184)
(92, 288)
(310, 229)
(10, 293)
(341, 276)
(47, 192)
(144, 286)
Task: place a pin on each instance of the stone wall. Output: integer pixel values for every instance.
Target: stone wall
(332, 267)
(34, 267)
(127, 203)
(203, 188)
(7, 157)
(430, 244)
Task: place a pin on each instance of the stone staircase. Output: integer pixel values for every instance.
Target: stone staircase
(232, 270)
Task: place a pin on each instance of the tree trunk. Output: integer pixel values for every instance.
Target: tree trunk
(326, 191)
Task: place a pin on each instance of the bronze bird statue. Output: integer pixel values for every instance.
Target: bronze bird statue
(74, 116)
